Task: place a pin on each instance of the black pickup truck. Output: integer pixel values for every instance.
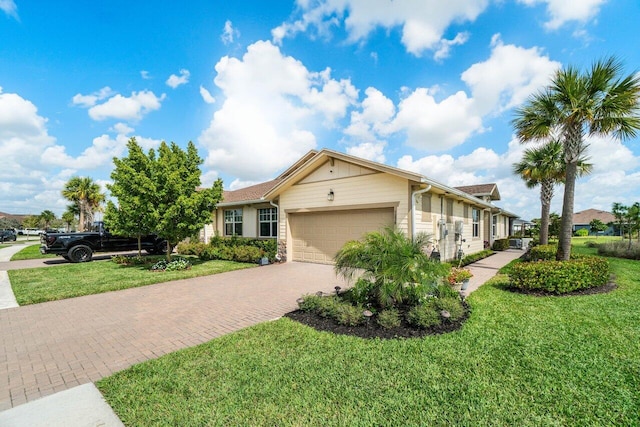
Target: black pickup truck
(80, 246)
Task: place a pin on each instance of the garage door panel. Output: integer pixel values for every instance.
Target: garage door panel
(318, 236)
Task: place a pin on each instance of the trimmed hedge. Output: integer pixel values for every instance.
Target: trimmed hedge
(500, 245)
(231, 249)
(543, 253)
(469, 259)
(560, 277)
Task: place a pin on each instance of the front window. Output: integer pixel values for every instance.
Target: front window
(268, 222)
(233, 222)
(494, 225)
(475, 213)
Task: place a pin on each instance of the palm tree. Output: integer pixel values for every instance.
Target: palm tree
(84, 192)
(69, 216)
(46, 217)
(598, 102)
(545, 166)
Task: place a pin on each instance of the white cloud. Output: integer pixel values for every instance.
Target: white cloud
(91, 99)
(145, 74)
(423, 22)
(563, 11)
(445, 45)
(206, 96)
(369, 150)
(433, 125)
(127, 108)
(271, 102)
(9, 7)
(101, 152)
(229, 34)
(508, 77)
(174, 80)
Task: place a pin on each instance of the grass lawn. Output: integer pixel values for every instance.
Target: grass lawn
(30, 252)
(519, 360)
(35, 285)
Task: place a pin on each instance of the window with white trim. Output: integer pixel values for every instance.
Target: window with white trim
(494, 225)
(475, 215)
(268, 222)
(233, 222)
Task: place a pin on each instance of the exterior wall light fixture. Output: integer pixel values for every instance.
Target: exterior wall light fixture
(330, 196)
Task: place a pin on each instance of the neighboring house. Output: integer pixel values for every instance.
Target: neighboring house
(327, 198)
(582, 219)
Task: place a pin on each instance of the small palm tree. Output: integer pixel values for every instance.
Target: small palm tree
(598, 102)
(46, 217)
(545, 166)
(391, 263)
(84, 192)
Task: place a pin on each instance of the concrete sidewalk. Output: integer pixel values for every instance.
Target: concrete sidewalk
(486, 268)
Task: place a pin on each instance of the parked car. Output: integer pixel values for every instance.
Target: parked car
(30, 232)
(7, 235)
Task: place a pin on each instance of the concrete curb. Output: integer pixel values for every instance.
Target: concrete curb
(79, 406)
(7, 298)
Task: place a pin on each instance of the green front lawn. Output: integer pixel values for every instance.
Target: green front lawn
(30, 252)
(35, 285)
(519, 360)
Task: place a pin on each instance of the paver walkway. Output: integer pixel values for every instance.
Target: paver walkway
(50, 347)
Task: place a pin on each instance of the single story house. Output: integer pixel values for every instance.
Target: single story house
(327, 198)
(582, 220)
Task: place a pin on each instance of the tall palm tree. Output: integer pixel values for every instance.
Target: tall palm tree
(86, 194)
(597, 102)
(545, 166)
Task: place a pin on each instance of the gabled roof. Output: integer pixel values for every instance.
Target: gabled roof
(586, 216)
(482, 190)
(263, 192)
(325, 154)
(251, 194)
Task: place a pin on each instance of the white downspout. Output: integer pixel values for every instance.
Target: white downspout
(413, 210)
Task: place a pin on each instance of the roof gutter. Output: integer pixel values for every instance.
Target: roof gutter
(413, 210)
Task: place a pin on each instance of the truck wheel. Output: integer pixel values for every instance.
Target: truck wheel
(80, 253)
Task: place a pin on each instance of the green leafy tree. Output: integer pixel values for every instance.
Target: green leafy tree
(597, 102)
(619, 211)
(86, 194)
(596, 226)
(134, 187)
(46, 217)
(633, 219)
(183, 208)
(544, 166)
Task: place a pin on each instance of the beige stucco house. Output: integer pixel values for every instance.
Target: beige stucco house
(327, 198)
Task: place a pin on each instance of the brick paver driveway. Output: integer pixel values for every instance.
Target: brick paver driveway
(49, 347)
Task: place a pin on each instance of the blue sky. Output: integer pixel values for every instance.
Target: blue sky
(424, 85)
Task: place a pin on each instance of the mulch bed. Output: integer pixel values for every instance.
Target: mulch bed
(372, 329)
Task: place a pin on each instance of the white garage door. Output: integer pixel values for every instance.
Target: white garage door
(318, 236)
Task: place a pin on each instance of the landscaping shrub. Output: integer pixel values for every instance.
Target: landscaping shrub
(389, 318)
(334, 308)
(620, 249)
(131, 260)
(451, 304)
(392, 263)
(177, 264)
(559, 277)
(543, 253)
(500, 245)
(347, 314)
(424, 316)
(231, 249)
(476, 257)
(583, 232)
